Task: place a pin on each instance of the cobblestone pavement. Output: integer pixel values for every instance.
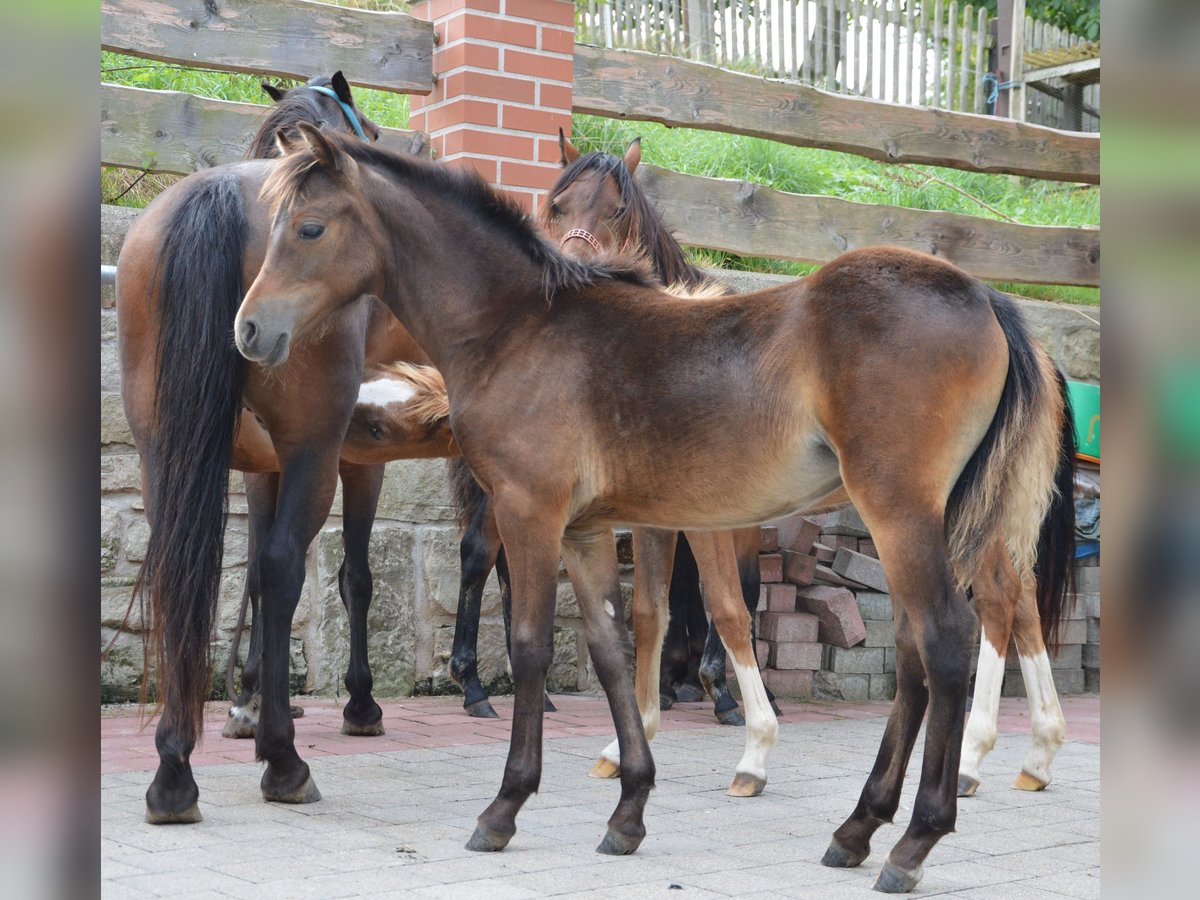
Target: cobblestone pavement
(397, 810)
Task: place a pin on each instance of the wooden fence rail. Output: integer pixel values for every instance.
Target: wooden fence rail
(655, 88)
(287, 38)
(750, 220)
(171, 131)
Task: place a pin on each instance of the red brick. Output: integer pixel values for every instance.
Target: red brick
(556, 12)
(488, 143)
(549, 151)
(466, 53)
(770, 568)
(538, 65)
(798, 568)
(790, 684)
(485, 167)
(789, 627)
(841, 623)
(778, 597)
(796, 655)
(461, 112)
(866, 547)
(522, 174)
(768, 539)
(487, 28)
(838, 541)
(826, 575)
(523, 199)
(539, 121)
(806, 534)
(558, 40)
(481, 84)
(823, 554)
(555, 96)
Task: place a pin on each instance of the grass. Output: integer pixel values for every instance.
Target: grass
(782, 167)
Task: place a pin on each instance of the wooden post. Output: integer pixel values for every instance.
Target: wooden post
(505, 75)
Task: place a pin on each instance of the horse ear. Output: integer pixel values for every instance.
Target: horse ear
(328, 155)
(284, 143)
(633, 155)
(275, 93)
(569, 152)
(341, 87)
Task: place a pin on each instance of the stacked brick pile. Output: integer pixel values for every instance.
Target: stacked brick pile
(825, 625)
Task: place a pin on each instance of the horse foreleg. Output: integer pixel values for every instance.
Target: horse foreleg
(360, 498)
(997, 591)
(262, 490)
(715, 558)
(653, 550)
(534, 568)
(746, 543)
(506, 613)
(477, 552)
(592, 564)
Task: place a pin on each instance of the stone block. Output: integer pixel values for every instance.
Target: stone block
(854, 660)
(762, 653)
(798, 568)
(788, 627)
(1087, 579)
(414, 490)
(840, 541)
(860, 568)
(121, 668)
(798, 655)
(491, 653)
(110, 538)
(867, 548)
(137, 538)
(882, 687)
(116, 592)
(889, 659)
(768, 539)
(1091, 680)
(438, 555)
(391, 622)
(840, 623)
(874, 605)
(833, 686)
(1090, 604)
(110, 365)
(1093, 631)
(790, 684)
(805, 535)
(880, 633)
(564, 670)
(770, 568)
(120, 472)
(1091, 656)
(779, 598)
(1073, 631)
(113, 427)
(845, 521)
(823, 553)
(1069, 656)
(1066, 681)
(826, 575)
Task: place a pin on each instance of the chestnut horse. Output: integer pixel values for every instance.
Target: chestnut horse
(597, 205)
(582, 395)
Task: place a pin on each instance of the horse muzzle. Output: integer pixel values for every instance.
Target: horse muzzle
(261, 343)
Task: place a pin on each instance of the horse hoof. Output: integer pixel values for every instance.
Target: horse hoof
(306, 793)
(484, 840)
(189, 816)
(894, 880)
(237, 728)
(481, 709)
(617, 844)
(731, 716)
(665, 701)
(1027, 782)
(746, 785)
(838, 857)
(547, 706)
(689, 693)
(967, 786)
(374, 729)
(296, 711)
(605, 768)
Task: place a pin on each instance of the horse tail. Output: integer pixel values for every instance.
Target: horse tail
(198, 396)
(1056, 542)
(1012, 485)
(466, 493)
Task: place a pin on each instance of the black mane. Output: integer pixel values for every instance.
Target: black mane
(296, 106)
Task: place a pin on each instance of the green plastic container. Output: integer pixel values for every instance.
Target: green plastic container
(1085, 407)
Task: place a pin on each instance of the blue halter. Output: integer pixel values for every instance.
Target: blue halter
(346, 108)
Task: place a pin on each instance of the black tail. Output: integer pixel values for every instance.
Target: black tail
(466, 493)
(198, 382)
(1055, 567)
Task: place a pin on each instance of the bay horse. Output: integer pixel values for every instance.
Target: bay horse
(597, 206)
(583, 395)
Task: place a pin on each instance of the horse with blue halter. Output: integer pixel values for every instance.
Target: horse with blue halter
(583, 396)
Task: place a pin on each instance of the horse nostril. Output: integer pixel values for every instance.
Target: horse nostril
(249, 330)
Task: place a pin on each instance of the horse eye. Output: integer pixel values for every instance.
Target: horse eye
(310, 231)
(555, 210)
(620, 211)
(376, 433)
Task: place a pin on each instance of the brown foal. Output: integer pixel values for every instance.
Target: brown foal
(584, 396)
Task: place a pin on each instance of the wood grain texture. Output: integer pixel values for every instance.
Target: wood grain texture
(750, 220)
(289, 38)
(647, 87)
(171, 131)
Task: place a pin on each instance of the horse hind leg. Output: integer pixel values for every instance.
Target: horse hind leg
(1049, 726)
(997, 590)
(361, 485)
(478, 552)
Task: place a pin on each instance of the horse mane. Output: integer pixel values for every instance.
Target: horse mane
(296, 106)
(671, 265)
(430, 405)
(466, 189)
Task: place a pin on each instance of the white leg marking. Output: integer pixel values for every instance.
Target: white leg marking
(1049, 725)
(980, 734)
(761, 724)
(608, 608)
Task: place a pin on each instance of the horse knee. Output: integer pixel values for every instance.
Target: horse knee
(531, 657)
(475, 554)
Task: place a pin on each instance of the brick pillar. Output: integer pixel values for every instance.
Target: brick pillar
(504, 73)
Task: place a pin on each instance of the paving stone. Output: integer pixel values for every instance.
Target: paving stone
(854, 660)
(793, 683)
(768, 538)
(770, 568)
(840, 622)
(1087, 579)
(835, 686)
(882, 687)
(824, 554)
(778, 598)
(880, 633)
(798, 568)
(1093, 631)
(845, 521)
(874, 605)
(788, 627)
(860, 568)
(796, 655)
